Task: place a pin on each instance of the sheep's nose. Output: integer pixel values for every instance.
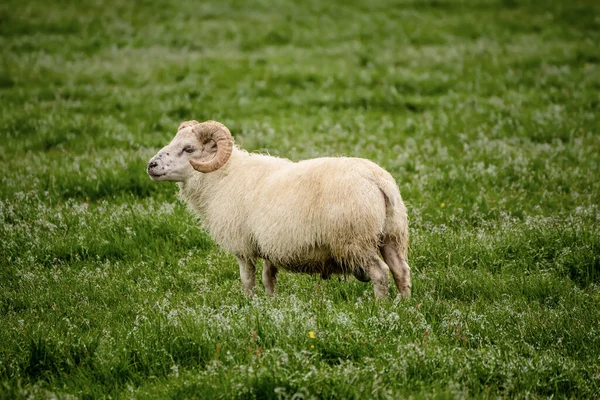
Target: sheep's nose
(152, 164)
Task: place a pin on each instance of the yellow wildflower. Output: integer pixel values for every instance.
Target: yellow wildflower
(443, 205)
(311, 334)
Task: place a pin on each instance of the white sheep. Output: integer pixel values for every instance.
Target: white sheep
(325, 215)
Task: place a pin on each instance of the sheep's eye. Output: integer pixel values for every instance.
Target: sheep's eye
(189, 149)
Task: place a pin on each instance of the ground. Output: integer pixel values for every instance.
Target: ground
(486, 112)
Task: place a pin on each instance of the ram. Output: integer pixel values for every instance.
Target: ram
(320, 216)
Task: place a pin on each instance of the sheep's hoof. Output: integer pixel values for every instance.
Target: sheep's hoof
(404, 294)
(361, 275)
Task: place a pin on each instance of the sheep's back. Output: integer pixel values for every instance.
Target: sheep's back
(318, 210)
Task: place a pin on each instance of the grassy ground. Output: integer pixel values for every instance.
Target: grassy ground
(486, 112)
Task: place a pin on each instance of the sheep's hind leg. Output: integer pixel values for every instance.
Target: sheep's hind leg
(248, 275)
(269, 277)
(362, 275)
(379, 273)
(399, 267)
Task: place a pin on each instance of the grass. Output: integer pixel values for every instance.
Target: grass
(486, 112)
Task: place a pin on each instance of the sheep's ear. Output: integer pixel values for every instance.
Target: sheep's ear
(185, 124)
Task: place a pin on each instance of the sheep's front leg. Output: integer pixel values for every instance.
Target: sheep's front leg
(269, 277)
(379, 273)
(248, 275)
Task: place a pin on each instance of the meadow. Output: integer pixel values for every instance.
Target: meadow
(486, 112)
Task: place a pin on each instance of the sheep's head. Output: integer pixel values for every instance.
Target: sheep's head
(203, 147)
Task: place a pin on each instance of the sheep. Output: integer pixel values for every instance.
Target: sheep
(321, 216)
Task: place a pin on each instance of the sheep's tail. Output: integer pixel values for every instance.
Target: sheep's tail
(396, 221)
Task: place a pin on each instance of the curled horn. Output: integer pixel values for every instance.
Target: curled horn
(216, 131)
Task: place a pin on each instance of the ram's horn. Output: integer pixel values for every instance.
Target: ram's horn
(216, 131)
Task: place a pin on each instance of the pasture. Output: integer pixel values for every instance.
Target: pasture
(486, 112)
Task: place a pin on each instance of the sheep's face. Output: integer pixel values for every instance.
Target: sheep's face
(172, 162)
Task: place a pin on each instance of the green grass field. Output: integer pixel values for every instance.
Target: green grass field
(486, 112)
